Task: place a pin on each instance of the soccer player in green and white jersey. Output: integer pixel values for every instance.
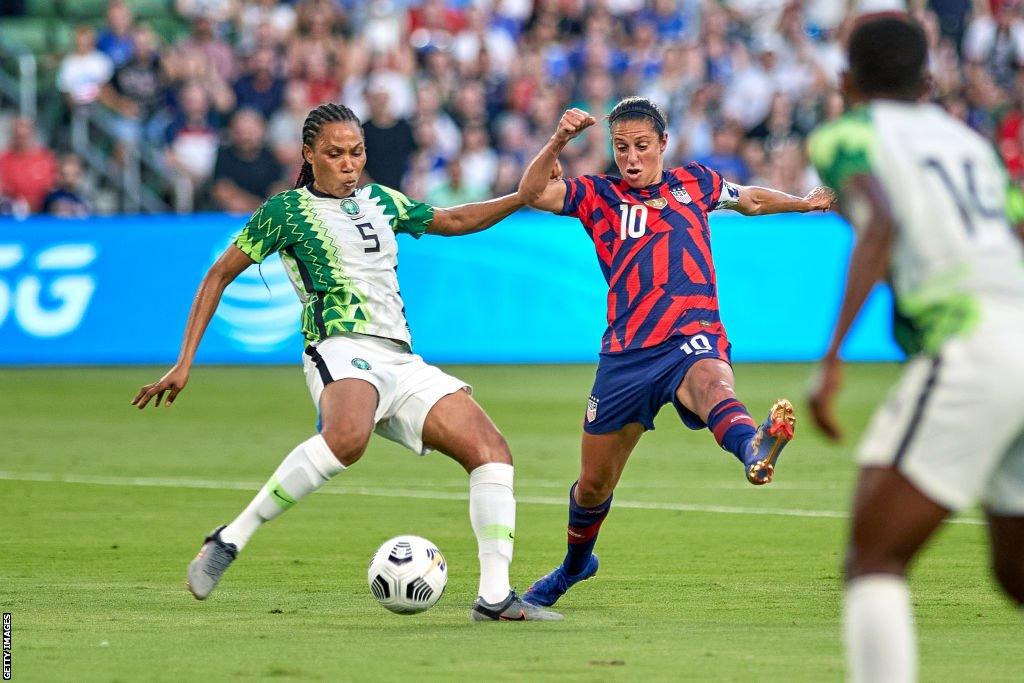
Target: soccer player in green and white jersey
(338, 245)
(927, 197)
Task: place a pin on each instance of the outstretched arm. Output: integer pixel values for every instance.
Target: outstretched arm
(866, 206)
(469, 218)
(232, 262)
(761, 201)
(537, 188)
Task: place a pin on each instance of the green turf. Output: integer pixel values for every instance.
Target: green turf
(92, 568)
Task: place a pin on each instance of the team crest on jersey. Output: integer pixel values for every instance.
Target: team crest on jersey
(657, 203)
(681, 195)
(592, 408)
(351, 208)
(361, 364)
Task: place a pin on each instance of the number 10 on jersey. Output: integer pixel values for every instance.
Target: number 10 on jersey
(632, 220)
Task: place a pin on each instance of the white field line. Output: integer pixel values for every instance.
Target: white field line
(187, 483)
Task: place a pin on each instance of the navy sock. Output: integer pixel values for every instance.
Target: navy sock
(584, 523)
(733, 427)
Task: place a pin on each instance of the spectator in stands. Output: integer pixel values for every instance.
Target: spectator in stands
(284, 131)
(184, 66)
(85, 71)
(219, 57)
(479, 160)
(136, 92)
(115, 41)
(66, 200)
(262, 87)
(389, 139)
(216, 11)
(435, 21)
(318, 25)
(193, 137)
(780, 126)
(995, 39)
(513, 140)
(725, 157)
(27, 169)
(246, 172)
(479, 80)
(456, 188)
(279, 17)
(446, 138)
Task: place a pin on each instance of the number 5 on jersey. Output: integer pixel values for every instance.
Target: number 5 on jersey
(632, 220)
(371, 237)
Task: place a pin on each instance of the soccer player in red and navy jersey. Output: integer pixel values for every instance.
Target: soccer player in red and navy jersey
(665, 342)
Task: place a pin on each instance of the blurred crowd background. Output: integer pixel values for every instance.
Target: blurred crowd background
(456, 95)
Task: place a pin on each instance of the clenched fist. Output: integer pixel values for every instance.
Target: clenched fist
(573, 122)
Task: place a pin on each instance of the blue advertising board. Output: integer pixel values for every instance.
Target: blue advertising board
(117, 290)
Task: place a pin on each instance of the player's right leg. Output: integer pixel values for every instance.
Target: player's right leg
(458, 427)
(1007, 537)
(603, 458)
(1004, 507)
(705, 396)
(347, 409)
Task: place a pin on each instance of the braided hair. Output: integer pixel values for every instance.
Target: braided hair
(638, 109)
(328, 112)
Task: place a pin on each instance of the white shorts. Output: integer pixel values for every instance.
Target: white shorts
(407, 387)
(954, 423)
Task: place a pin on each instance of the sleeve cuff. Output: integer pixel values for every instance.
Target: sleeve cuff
(247, 248)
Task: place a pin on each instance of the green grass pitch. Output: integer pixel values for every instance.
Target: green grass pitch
(702, 577)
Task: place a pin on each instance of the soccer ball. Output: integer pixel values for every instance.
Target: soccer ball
(408, 574)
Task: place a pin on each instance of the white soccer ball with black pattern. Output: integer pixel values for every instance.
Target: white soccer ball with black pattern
(408, 574)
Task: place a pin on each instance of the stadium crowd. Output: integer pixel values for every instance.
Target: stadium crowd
(457, 95)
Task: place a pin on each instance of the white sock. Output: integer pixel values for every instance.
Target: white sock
(879, 630)
(492, 512)
(308, 467)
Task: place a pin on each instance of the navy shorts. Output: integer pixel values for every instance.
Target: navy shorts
(632, 386)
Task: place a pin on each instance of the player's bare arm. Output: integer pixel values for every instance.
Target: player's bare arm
(230, 264)
(762, 201)
(540, 186)
(466, 219)
(866, 206)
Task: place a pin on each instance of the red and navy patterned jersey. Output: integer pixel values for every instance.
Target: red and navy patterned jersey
(654, 247)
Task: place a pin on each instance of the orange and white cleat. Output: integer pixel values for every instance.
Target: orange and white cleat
(772, 436)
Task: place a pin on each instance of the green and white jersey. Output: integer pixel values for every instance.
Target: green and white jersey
(955, 256)
(341, 256)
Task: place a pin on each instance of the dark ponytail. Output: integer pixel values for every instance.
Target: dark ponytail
(325, 113)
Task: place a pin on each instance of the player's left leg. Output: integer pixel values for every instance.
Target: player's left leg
(707, 391)
(602, 460)
(458, 427)
(892, 520)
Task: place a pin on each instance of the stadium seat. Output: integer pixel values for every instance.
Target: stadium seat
(151, 9)
(39, 9)
(62, 38)
(78, 10)
(27, 33)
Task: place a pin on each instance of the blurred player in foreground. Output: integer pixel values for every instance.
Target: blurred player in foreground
(665, 342)
(927, 197)
(338, 245)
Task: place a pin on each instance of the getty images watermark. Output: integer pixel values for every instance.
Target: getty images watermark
(7, 646)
